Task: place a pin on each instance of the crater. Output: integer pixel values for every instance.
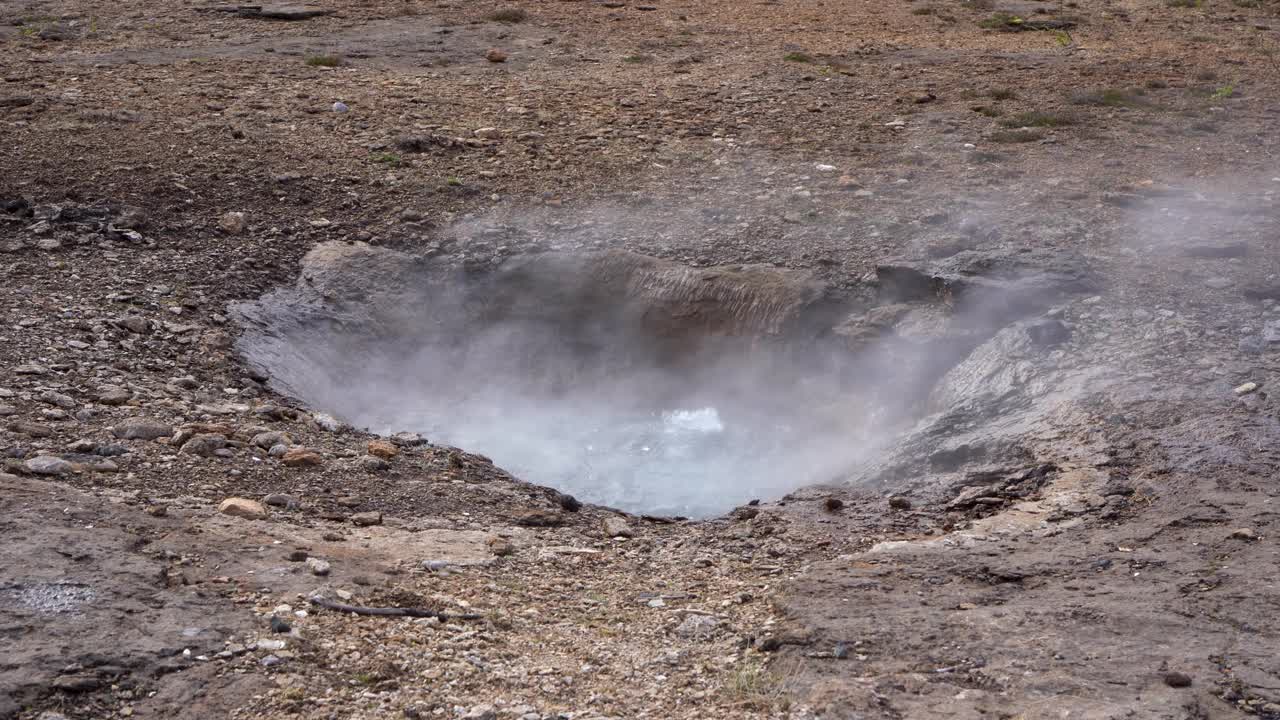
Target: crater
(626, 380)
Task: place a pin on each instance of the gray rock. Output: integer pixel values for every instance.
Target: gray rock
(48, 465)
(481, 712)
(7, 410)
(281, 500)
(114, 395)
(134, 324)
(1218, 283)
(365, 519)
(327, 422)
(278, 450)
(141, 428)
(318, 567)
(270, 439)
(615, 526)
(373, 464)
(270, 661)
(204, 445)
(408, 439)
(65, 402)
(697, 627)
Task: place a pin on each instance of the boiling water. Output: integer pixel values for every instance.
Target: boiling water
(682, 462)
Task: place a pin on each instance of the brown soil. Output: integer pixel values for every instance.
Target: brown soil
(1109, 556)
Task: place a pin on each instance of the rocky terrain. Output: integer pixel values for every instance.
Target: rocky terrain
(1042, 238)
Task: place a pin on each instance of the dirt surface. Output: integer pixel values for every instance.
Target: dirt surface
(1071, 206)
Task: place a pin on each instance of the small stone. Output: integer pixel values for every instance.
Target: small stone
(500, 547)
(281, 500)
(1244, 534)
(1246, 388)
(327, 422)
(270, 661)
(495, 56)
(65, 402)
(746, 512)
(616, 527)
(317, 566)
(435, 565)
(481, 712)
(242, 508)
(383, 449)
(697, 627)
(204, 445)
(114, 395)
(540, 518)
(278, 451)
(1177, 679)
(373, 464)
(158, 510)
(302, 457)
(48, 465)
(488, 133)
(134, 324)
(1218, 283)
(340, 107)
(568, 502)
(278, 625)
(141, 428)
(367, 519)
(898, 502)
(232, 223)
(266, 440)
(833, 504)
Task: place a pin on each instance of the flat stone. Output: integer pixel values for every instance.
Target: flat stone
(697, 627)
(302, 457)
(48, 465)
(114, 395)
(365, 519)
(269, 439)
(243, 508)
(141, 428)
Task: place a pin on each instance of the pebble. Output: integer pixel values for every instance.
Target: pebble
(495, 56)
(373, 464)
(278, 625)
(317, 566)
(340, 107)
(242, 508)
(270, 661)
(113, 395)
(1218, 283)
(1244, 534)
(54, 398)
(899, 503)
(1177, 679)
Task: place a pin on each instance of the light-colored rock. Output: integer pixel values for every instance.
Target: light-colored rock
(365, 519)
(383, 449)
(271, 438)
(243, 508)
(317, 566)
(615, 526)
(232, 223)
(697, 627)
(48, 465)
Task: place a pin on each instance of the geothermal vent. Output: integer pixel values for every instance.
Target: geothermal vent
(627, 380)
